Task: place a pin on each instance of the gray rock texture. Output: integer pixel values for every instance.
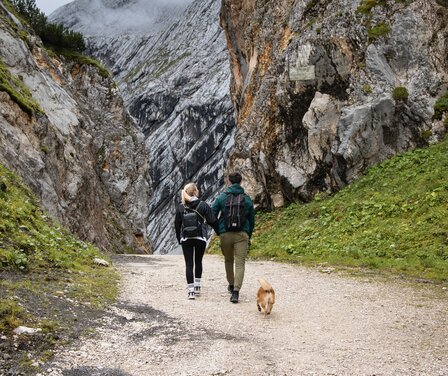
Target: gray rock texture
(84, 156)
(313, 83)
(175, 81)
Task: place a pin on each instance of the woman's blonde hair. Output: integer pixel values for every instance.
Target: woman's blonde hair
(190, 190)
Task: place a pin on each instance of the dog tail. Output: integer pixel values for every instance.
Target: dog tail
(265, 285)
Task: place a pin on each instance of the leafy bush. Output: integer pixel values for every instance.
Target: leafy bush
(400, 93)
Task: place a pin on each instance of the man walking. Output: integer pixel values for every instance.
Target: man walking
(236, 215)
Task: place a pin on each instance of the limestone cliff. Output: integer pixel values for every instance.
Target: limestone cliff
(325, 89)
(77, 147)
(173, 73)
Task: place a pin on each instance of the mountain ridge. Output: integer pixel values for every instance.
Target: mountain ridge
(175, 84)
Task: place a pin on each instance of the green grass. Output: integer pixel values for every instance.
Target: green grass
(393, 220)
(18, 91)
(37, 256)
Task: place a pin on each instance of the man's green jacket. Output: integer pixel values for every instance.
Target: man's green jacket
(220, 204)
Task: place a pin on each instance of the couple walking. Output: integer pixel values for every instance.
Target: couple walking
(232, 217)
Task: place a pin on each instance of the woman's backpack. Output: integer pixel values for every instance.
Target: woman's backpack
(192, 222)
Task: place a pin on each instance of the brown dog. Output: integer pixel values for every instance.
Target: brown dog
(265, 297)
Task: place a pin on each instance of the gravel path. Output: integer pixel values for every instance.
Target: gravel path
(321, 324)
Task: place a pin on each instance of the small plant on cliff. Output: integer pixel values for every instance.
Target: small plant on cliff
(441, 107)
(400, 93)
(367, 89)
(380, 30)
(366, 6)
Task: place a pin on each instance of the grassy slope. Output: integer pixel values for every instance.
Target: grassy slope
(394, 220)
(47, 277)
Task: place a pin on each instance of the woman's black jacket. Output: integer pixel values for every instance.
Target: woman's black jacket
(203, 209)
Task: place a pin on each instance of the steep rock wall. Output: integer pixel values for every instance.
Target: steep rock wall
(175, 83)
(313, 83)
(83, 156)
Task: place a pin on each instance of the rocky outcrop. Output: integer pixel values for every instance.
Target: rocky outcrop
(325, 89)
(81, 153)
(175, 82)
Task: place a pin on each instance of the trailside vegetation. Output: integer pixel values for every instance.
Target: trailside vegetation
(393, 220)
(48, 279)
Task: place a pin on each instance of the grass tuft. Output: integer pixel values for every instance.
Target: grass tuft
(400, 93)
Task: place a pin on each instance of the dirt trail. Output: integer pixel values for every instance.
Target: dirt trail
(322, 324)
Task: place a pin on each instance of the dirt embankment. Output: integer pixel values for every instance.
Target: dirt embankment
(322, 324)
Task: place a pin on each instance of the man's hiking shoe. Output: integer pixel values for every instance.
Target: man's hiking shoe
(197, 290)
(230, 288)
(235, 296)
(191, 295)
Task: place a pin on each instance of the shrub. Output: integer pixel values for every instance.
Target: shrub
(400, 93)
(426, 135)
(441, 106)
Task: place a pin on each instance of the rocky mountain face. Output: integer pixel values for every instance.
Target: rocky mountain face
(175, 81)
(325, 89)
(78, 149)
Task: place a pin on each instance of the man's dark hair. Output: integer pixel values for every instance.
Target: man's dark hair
(235, 178)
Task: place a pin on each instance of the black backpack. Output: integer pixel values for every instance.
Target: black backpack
(191, 223)
(234, 213)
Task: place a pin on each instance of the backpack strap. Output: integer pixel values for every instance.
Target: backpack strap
(200, 215)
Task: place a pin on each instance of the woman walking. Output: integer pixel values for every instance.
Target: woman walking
(190, 223)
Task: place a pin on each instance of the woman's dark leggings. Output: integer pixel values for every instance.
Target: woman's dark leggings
(193, 250)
